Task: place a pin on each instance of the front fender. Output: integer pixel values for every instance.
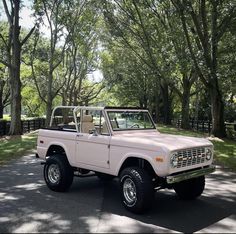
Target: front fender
(148, 158)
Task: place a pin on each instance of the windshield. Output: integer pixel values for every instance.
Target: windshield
(130, 120)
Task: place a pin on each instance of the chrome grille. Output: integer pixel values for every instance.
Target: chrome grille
(189, 157)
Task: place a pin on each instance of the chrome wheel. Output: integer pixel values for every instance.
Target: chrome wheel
(129, 191)
(54, 174)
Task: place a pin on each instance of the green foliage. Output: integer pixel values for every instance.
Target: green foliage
(32, 104)
(4, 79)
(147, 50)
(139, 46)
(6, 117)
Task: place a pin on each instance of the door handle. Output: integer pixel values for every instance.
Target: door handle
(79, 135)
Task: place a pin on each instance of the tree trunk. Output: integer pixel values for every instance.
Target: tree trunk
(2, 84)
(75, 101)
(1, 105)
(185, 104)
(156, 106)
(48, 111)
(49, 98)
(1, 111)
(15, 127)
(64, 111)
(217, 105)
(15, 83)
(217, 110)
(145, 101)
(166, 104)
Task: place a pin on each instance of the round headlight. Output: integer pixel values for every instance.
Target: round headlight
(208, 154)
(174, 160)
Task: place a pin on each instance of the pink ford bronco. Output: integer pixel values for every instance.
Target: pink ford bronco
(122, 142)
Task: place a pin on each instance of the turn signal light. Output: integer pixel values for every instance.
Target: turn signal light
(159, 159)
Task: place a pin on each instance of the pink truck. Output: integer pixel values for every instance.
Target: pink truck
(111, 142)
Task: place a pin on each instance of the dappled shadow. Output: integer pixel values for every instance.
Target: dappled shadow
(217, 203)
(27, 205)
(227, 225)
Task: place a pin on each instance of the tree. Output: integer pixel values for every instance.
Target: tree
(183, 72)
(81, 55)
(57, 13)
(4, 90)
(204, 24)
(126, 77)
(53, 12)
(12, 59)
(134, 26)
(4, 79)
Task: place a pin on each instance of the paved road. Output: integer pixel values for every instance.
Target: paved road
(27, 205)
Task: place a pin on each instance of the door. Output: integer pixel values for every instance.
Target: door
(92, 142)
(93, 150)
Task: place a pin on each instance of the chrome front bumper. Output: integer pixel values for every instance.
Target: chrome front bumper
(189, 175)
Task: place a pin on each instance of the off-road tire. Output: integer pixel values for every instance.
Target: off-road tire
(66, 173)
(190, 189)
(144, 189)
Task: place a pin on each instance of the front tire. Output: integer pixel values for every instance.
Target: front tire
(190, 189)
(136, 188)
(58, 174)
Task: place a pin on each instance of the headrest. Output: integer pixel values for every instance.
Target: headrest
(87, 118)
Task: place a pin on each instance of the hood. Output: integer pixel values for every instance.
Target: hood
(153, 140)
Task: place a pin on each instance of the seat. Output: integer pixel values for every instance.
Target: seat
(87, 123)
(104, 128)
(114, 124)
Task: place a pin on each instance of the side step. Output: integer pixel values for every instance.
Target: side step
(77, 173)
(90, 174)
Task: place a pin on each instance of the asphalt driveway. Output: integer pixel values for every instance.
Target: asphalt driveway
(27, 205)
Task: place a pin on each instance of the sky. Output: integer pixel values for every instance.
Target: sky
(27, 21)
(26, 17)
(25, 14)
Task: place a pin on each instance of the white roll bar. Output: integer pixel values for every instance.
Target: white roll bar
(75, 109)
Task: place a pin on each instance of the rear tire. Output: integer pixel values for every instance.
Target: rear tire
(136, 189)
(190, 189)
(58, 174)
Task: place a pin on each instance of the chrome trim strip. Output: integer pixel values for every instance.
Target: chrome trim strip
(189, 175)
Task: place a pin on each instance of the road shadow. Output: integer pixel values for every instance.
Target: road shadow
(27, 205)
(217, 203)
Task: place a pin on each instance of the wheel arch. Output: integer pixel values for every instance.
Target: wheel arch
(56, 149)
(137, 161)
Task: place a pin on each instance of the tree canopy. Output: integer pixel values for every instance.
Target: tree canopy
(176, 58)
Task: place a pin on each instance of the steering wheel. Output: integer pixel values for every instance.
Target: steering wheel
(135, 126)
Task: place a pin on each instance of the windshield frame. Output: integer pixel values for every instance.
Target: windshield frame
(129, 111)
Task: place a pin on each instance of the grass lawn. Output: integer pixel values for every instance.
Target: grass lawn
(6, 117)
(225, 149)
(13, 147)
